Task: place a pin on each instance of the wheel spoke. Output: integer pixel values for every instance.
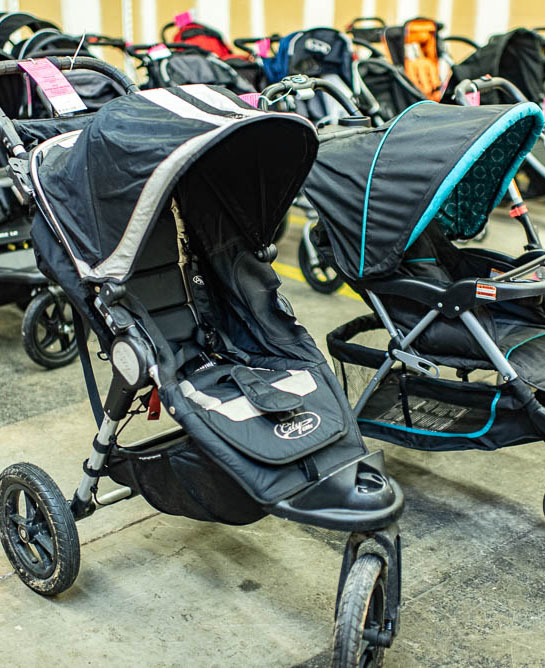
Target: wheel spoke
(30, 508)
(17, 519)
(44, 541)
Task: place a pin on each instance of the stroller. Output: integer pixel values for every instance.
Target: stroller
(211, 41)
(470, 310)
(178, 63)
(519, 57)
(171, 267)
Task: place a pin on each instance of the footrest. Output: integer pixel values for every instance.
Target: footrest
(262, 394)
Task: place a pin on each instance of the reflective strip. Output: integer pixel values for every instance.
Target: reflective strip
(240, 409)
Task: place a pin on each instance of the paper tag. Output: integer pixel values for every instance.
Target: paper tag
(263, 47)
(495, 272)
(251, 98)
(54, 84)
(474, 98)
(485, 291)
(159, 51)
(184, 19)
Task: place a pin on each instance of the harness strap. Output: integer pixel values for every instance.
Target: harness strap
(88, 373)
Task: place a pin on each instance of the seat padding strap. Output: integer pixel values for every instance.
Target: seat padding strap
(263, 395)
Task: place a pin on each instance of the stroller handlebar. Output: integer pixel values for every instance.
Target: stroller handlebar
(486, 83)
(140, 51)
(243, 42)
(297, 82)
(9, 67)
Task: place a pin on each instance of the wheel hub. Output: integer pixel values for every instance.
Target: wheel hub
(24, 533)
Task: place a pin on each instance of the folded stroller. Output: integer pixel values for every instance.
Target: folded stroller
(169, 260)
(390, 203)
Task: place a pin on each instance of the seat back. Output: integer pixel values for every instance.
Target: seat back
(157, 282)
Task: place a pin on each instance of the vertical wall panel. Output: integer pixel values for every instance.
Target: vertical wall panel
(317, 13)
(527, 14)
(428, 9)
(444, 14)
(78, 17)
(369, 8)
(490, 19)
(46, 9)
(241, 18)
(346, 11)
(406, 9)
(283, 17)
(215, 13)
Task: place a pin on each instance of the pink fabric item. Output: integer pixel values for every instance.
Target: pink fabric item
(474, 98)
(250, 98)
(263, 47)
(183, 19)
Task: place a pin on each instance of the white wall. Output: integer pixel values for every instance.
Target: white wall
(78, 16)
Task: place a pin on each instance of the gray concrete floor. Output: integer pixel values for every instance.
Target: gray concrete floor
(161, 591)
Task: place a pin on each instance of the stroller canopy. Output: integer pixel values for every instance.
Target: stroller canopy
(105, 192)
(376, 192)
(518, 56)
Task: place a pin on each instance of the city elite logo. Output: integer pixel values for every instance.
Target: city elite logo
(300, 425)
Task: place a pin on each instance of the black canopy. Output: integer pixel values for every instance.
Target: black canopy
(376, 192)
(518, 56)
(103, 188)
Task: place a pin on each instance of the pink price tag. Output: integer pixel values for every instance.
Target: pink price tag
(543, 106)
(158, 52)
(250, 98)
(263, 47)
(184, 19)
(474, 98)
(54, 84)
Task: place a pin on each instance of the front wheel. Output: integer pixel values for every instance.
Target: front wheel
(361, 616)
(48, 330)
(320, 277)
(37, 530)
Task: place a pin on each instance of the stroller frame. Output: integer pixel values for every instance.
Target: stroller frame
(400, 349)
(328, 502)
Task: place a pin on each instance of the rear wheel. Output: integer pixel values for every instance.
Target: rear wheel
(37, 530)
(48, 330)
(320, 277)
(361, 616)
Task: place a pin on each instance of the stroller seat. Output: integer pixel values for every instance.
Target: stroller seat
(517, 327)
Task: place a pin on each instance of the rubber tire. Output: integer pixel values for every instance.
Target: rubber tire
(29, 331)
(60, 524)
(324, 287)
(364, 577)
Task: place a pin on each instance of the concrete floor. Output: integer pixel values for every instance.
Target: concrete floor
(161, 591)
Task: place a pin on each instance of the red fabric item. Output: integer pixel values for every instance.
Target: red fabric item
(207, 39)
(517, 211)
(154, 406)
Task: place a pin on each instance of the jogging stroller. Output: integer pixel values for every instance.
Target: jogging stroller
(169, 260)
(471, 310)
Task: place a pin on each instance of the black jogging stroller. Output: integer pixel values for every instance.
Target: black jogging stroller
(178, 63)
(443, 308)
(170, 264)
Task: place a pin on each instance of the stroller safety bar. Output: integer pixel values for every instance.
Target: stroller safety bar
(464, 294)
(300, 82)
